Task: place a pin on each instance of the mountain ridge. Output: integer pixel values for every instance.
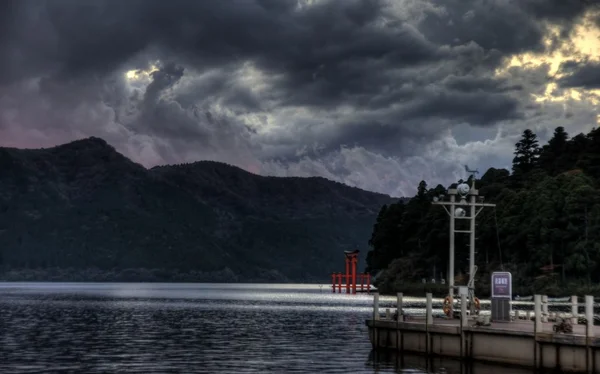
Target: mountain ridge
(83, 205)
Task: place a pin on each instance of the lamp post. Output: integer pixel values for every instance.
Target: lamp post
(457, 210)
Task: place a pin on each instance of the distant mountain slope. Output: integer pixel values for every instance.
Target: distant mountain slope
(83, 205)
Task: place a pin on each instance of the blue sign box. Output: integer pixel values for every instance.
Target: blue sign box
(502, 285)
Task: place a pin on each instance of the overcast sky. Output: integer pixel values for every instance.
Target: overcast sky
(376, 94)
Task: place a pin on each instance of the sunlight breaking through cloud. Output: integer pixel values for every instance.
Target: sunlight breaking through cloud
(582, 46)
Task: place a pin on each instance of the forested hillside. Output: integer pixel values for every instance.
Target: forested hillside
(545, 228)
(82, 211)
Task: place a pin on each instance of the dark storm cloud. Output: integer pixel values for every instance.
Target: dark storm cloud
(162, 79)
(329, 39)
(490, 24)
(459, 106)
(246, 81)
(586, 74)
(565, 11)
(508, 26)
(480, 84)
(99, 36)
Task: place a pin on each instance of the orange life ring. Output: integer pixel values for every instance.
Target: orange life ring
(447, 307)
(477, 303)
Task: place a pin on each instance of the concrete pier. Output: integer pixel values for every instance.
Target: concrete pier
(524, 343)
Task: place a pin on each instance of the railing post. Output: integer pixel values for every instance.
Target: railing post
(399, 319)
(537, 327)
(589, 315)
(463, 323)
(537, 310)
(429, 312)
(376, 306)
(589, 332)
(399, 297)
(544, 308)
(463, 309)
(574, 310)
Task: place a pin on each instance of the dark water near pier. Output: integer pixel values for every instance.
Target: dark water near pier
(194, 328)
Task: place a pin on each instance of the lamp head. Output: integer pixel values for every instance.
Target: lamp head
(463, 189)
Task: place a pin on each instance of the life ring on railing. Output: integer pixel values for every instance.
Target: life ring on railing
(447, 307)
(477, 303)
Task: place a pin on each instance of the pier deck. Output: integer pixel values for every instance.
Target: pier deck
(513, 343)
(522, 326)
(526, 343)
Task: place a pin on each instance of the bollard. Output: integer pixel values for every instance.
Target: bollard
(376, 306)
(589, 315)
(463, 309)
(429, 309)
(538, 313)
(388, 314)
(544, 308)
(574, 310)
(399, 296)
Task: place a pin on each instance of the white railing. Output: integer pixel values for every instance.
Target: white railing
(540, 313)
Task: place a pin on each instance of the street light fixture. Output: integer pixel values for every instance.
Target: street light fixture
(456, 211)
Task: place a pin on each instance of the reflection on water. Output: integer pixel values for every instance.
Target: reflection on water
(420, 364)
(190, 328)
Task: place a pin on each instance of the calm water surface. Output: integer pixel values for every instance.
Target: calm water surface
(193, 328)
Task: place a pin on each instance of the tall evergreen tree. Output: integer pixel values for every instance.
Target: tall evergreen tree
(422, 190)
(552, 158)
(526, 153)
(589, 160)
(386, 239)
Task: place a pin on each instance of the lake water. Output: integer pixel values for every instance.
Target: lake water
(194, 328)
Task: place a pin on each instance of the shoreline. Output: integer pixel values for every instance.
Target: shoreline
(144, 275)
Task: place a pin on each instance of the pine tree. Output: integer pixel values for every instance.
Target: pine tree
(552, 158)
(589, 160)
(526, 153)
(422, 190)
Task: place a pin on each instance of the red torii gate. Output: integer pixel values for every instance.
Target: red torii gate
(351, 275)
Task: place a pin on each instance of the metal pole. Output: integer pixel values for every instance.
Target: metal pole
(451, 259)
(472, 249)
